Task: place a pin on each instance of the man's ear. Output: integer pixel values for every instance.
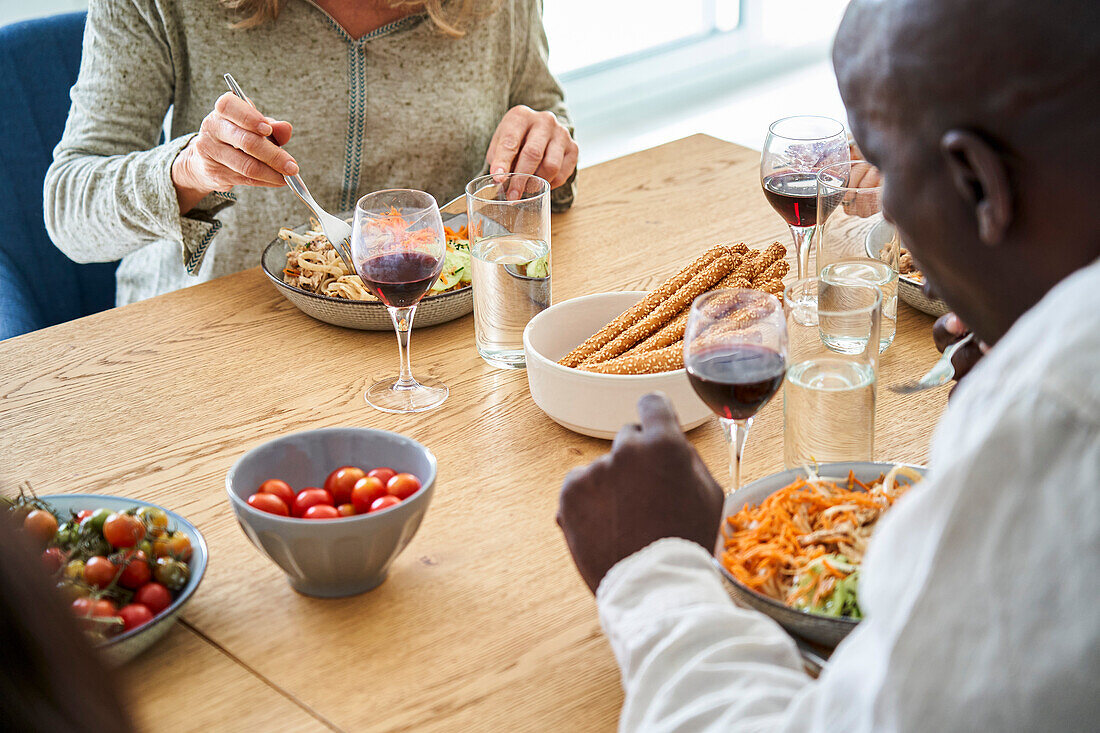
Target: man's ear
(981, 178)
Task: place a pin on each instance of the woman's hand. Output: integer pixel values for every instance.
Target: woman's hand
(232, 149)
(527, 141)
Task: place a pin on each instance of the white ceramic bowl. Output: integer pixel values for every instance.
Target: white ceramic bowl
(586, 402)
(331, 558)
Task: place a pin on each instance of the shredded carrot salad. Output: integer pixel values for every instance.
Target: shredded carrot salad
(803, 544)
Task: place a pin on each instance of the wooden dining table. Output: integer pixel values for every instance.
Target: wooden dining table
(483, 623)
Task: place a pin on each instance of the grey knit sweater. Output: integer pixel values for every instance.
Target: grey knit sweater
(404, 106)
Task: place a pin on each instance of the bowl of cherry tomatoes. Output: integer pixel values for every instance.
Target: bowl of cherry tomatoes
(126, 567)
(333, 507)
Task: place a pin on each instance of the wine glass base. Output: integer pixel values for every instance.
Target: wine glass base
(423, 395)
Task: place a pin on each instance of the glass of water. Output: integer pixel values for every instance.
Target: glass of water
(853, 238)
(829, 392)
(509, 220)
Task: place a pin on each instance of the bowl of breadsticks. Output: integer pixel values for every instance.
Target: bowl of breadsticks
(589, 359)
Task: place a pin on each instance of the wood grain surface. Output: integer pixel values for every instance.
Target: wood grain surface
(484, 623)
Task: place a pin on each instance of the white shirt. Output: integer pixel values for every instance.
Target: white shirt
(981, 587)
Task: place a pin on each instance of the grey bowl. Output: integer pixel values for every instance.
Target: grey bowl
(335, 557)
(364, 315)
(825, 630)
(126, 646)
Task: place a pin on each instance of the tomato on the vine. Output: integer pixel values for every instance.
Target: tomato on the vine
(153, 596)
(366, 491)
(341, 481)
(94, 521)
(403, 485)
(123, 530)
(137, 572)
(83, 514)
(170, 573)
(40, 525)
(53, 559)
(134, 615)
(280, 489)
(153, 516)
(99, 572)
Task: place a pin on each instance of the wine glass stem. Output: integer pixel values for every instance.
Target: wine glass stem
(402, 323)
(803, 237)
(736, 432)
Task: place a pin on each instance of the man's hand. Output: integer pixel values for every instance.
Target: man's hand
(947, 330)
(527, 141)
(652, 485)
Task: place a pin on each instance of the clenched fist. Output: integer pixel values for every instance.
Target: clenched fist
(652, 485)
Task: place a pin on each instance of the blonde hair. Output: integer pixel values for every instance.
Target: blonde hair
(450, 16)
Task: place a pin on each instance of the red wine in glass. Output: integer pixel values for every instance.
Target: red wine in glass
(400, 279)
(735, 381)
(794, 196)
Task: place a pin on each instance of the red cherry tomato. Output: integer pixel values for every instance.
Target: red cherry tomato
(82, 607)
(269, 503)
(346, 510)
(365, 492)
(134, 615)
(137, 572)
(321, 511)
(83, 514)
(341, 481)
(153, 596)
(384, 502)
(52, 559)
(99, 572)
(279, 488)
(403, 485)
(382, 474)
(122, 530)
(311, 496)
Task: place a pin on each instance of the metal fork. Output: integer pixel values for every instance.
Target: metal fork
(940, 374)
(336, 230)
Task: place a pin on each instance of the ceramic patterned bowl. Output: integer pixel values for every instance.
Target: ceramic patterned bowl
(126, 646)
(586, 402)
(364, 315)
(334, 557)
(910, 289)
(825, 630)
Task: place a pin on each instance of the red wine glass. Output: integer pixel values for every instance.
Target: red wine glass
(795, 149)
(735, 351)
(398, 246)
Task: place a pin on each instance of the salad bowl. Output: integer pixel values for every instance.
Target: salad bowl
(828, 631)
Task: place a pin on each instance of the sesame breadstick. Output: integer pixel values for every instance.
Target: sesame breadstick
(650, 362)
(777, 271)
(645, 306)
(663, 313)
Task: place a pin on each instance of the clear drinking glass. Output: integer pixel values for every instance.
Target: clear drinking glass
(829, 393)
(795, 149)
(735, 351)
(853, 237)
(398, 247)
(509, 219)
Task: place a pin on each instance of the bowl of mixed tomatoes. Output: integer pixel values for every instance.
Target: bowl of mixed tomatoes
(126, 567)
(333, 507)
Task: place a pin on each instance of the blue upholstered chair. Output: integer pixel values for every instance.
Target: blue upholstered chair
(39, 285)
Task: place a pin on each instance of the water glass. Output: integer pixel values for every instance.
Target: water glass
(830, 387)
(853, 237)
(509, 220)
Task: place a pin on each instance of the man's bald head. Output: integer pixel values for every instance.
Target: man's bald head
(977, 111)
